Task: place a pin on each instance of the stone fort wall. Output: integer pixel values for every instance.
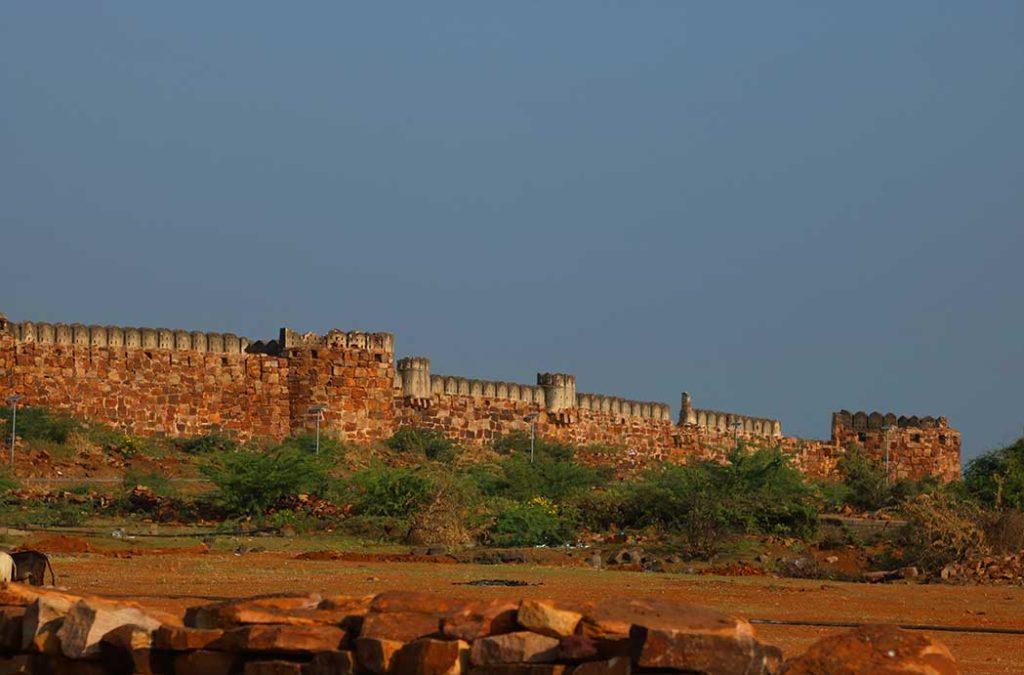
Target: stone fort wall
(182, 383)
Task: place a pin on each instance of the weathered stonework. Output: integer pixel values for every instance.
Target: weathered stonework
(180, 383)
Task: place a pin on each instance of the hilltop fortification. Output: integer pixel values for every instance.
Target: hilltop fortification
(181, 383)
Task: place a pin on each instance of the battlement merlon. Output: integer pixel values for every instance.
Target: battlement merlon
(865, 421)
(336, 338)
(559, 390)
(414, 374)
(727, 421)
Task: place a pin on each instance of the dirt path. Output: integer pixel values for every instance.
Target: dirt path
(177, 581)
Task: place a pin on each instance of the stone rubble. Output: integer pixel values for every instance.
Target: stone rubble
(43, 630)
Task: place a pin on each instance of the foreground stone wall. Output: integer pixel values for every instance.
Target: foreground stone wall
(408, 633)
(180, 383)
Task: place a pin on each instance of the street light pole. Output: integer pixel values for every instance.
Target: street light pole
(13, 400)
(318, 412)
(532, 419)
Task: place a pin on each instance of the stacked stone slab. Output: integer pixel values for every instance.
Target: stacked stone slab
(409, 633)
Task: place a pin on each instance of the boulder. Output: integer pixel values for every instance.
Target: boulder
(620, 665)
(518, 647)
(205, 662)
(543, 617)
(87, 622)
(432, 657)
(330, 663)
(284, 638)
(400, 626)
(276, 667)
(670, 635)
(885, 650)
(375, 655)
(11, 629)
(521, 669)
(258, 609)
(179, 638)
(480, 620)
(41, 621)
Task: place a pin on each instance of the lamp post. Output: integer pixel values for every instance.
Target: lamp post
(13, 400)
(532, 419)
(736, 424)
(318, 412)
(885, 439)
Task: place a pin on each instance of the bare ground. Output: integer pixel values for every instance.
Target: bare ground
(175, 580)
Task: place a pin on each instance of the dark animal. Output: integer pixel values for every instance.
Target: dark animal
(31, 566)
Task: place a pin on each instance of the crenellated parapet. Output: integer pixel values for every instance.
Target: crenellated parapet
(509, 391)
(865, 421)
(720, 421)
(119, 337)
(613, 405)
(333, 339)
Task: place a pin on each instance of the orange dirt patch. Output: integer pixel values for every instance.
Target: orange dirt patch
(61, 543)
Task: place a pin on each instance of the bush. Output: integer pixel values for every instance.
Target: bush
(519, 479)
(155, 481)
(1004, 531)
(329, 446)
(7, 481)
(248, 483)
(518, 442)
(864, 479)
(997, 477)
(431, 444)
(452, 513)
(206, 444)
(533, 523)
(940, 529)
(40, 424)
(388, 491)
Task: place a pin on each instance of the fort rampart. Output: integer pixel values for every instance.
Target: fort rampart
(181, 383)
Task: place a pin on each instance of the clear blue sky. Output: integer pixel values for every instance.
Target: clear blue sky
(783, 208)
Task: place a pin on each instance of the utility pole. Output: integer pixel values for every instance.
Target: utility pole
(13, 400)
(318, 413)
(532, 419)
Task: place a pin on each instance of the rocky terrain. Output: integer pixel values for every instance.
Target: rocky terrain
(421, 633)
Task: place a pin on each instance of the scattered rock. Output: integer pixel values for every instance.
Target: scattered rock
(518, 647)
(874, 649)
(86, 623)
(543, 617)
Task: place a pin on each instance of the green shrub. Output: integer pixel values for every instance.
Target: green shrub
(206, 444)
(997, 477)
(867, 486)
(7, 481)
(387, 491)
(939, 530)
(533, 523)
(329, 446)
(40, 424)
(248, 483)
(549, 476)
(375, 528)
(155, 481)
(431, 444)
(706, 502)
(518, 442)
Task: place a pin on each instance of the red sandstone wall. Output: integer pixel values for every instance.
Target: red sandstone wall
(152, 391)
(355, 385)
(914, 452)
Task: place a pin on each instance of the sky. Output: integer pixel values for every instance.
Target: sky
(783, 208)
